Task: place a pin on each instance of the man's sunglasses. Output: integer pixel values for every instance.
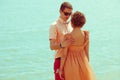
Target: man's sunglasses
(67, 14)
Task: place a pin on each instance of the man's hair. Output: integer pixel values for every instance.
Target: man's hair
(65, 5)
(78, 19)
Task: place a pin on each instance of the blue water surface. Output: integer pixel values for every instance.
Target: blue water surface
(24, 42)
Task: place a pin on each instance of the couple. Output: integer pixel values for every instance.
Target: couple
(71, 45)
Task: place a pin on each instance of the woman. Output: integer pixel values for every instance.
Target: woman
(75, 59)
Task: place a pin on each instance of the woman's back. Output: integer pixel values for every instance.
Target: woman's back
(76, 65)
(78, 37)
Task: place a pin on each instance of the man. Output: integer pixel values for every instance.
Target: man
(56, 33)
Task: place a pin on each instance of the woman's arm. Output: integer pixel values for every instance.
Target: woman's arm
(87, 50)
(62, 63)
(87, 44)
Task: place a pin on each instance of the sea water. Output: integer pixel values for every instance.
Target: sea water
(24, 41)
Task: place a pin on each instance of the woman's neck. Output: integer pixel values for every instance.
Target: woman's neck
(76, 30)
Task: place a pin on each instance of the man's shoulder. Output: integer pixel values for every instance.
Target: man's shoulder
(54, 23)
(54, 26)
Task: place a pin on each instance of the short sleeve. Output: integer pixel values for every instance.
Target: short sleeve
(52, 32)
(86, 37)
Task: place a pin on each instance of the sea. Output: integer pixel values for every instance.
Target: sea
(24, 37)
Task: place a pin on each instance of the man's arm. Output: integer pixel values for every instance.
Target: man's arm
(63, 44)
(54, 45)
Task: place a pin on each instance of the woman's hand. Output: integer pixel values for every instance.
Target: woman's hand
(61, 74)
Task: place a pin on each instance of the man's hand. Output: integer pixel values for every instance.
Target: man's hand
(67, 42)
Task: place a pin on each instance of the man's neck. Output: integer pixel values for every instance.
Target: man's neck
(62, 20)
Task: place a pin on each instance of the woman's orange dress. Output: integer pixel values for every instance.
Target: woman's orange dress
(76, 65)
